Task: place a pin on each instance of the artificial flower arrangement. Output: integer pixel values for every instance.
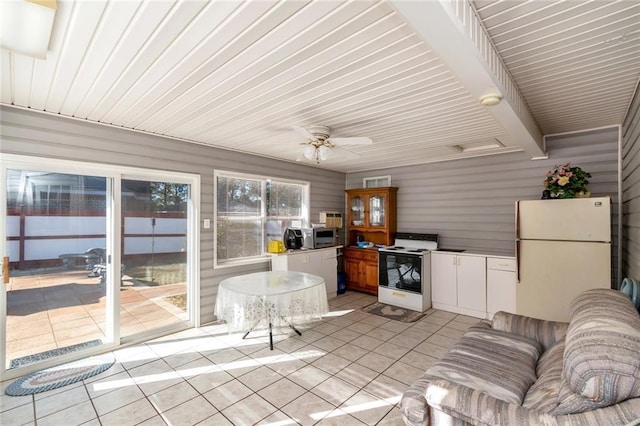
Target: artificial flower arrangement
(564, 181)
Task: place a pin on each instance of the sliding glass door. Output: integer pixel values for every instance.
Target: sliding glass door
(153, 294)
(56, 228)
(92, 259)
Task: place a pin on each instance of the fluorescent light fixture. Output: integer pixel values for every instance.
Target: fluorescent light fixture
(25, 26)
(482, 147)
(472, 148)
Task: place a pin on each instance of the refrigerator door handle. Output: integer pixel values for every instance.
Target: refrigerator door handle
(517, 241)
(517, 220)
(517, 261)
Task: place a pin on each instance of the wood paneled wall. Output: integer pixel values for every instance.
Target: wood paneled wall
(45, 135)
(470, 202)
(631, 191)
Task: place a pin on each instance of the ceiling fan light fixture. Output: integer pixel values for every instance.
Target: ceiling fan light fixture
(310, 152)
(324, 152)
(490, 99)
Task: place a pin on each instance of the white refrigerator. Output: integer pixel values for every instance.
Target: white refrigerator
(563, 247)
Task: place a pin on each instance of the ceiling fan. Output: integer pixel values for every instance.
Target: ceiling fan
(320, 143)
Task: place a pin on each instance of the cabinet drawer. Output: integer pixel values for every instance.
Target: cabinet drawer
(370, 256)
(501, 264)
(353, 253)
(361, 254)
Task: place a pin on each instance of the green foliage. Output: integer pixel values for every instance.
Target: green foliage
(565, 181)
(169, 196)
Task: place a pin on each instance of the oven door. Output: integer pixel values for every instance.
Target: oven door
(400, 271)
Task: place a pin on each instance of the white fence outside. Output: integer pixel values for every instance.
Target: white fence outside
(47, 237)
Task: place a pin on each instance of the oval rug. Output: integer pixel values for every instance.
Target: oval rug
(61, 375)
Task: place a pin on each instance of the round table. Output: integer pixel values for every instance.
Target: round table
(271, 298)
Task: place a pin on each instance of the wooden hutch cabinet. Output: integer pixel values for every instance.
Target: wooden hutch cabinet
(371, 216)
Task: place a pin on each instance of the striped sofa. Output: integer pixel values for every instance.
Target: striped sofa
(518, 370)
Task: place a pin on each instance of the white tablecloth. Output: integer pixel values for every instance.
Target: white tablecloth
(279, 297)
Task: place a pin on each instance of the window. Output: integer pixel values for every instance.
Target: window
(252, 210)
(376, 182)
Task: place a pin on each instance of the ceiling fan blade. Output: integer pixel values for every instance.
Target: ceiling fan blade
(351, 141)
(304, 133)
(343, 154)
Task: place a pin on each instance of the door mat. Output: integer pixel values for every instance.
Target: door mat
(29, 359)
(393, 312)
(61, 375)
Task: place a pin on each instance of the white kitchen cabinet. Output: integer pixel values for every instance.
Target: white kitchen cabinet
(444, 279)
(459, 283)
(329, 271)
(321, 262)
(501, 285)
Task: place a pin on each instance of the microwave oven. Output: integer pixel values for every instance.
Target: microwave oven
(315, 238)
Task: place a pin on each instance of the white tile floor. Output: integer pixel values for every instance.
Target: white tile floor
(348, 369)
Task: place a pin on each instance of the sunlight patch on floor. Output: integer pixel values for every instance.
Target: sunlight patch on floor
(213, 368)
(338, 313)
(356, 408)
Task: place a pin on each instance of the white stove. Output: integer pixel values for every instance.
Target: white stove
(404, 271)
(412, 243)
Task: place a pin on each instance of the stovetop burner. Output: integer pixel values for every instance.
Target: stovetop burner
(413, 243)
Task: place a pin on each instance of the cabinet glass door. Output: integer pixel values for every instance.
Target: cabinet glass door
(357, 211)
(376, 210)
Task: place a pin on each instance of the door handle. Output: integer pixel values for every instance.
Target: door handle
(517, 220)
(518, 241)
(517, 260)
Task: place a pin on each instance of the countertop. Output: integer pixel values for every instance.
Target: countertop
(473, 252)
(305, 250)
(488, 253)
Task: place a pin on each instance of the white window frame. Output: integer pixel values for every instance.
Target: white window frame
(238, 175)
(374, 178)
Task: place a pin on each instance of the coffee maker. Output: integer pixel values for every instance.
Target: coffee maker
(293, 239)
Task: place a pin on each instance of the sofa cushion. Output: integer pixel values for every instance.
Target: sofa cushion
(498, 363)
(543, 395)
(601, 359)
(545, 332)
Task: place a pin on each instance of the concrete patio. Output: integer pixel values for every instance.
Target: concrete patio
(55, 309)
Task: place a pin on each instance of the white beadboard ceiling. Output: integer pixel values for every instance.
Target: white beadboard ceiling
(407, 74)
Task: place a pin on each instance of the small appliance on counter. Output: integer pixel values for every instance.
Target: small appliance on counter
(315, 238)
(276, 246)
(293, 239)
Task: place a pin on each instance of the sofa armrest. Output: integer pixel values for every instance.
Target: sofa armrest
(479, 408)
(545, 332)
(623, 413)
(414, 408)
